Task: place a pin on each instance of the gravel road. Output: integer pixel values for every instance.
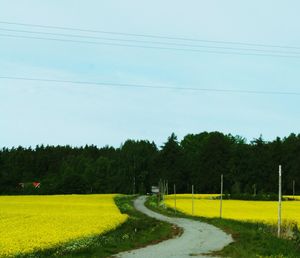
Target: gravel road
(198, 238)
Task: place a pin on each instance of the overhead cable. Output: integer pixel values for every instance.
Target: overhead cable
(148, 86)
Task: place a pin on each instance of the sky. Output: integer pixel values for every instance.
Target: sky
(35, 112)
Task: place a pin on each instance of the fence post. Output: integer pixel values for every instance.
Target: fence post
(279, 203)
(193, 200)
(294, 189)
(175, 198)
(160, 191)
(164, 191)
(167, 187)
(221, 197)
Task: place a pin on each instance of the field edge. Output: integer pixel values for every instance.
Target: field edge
(250, 239)
(137, 231)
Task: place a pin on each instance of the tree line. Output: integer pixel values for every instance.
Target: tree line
(199, 160)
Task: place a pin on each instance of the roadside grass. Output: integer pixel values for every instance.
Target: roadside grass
(138, 231)
(250, 239)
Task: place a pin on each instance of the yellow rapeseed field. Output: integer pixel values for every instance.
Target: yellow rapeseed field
(259, 211)
(31, 223)
(296, 197)
(196, 196)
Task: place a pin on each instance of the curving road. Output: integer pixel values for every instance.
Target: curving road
(198, 238)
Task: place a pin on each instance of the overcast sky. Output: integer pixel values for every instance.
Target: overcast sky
(58, 113)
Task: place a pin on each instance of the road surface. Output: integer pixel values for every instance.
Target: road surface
(198, 238)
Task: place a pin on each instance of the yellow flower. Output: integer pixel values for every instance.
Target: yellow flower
(257, 211)
(31, 223)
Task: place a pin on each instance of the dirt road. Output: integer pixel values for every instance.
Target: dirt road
(198, 238)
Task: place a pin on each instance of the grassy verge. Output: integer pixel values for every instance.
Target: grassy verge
(138, 231)
(251, 239)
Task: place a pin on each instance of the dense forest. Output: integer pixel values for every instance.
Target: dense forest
(135, 166)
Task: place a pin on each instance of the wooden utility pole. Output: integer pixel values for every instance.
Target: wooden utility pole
(221, 197)
(193, 200)
(175, 198)
(279, 203)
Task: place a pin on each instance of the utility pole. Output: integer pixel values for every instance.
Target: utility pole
(134, 175)
(294, 189)
(279, 203)
(175, 198)
(164, 191)
(193, 200)
(159, 193)
(167, 187)
(160, 190)
(221, 197)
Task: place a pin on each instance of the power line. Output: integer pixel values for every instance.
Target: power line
(151, 42)
(130, 85)
(147, 35)
(150, 47)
